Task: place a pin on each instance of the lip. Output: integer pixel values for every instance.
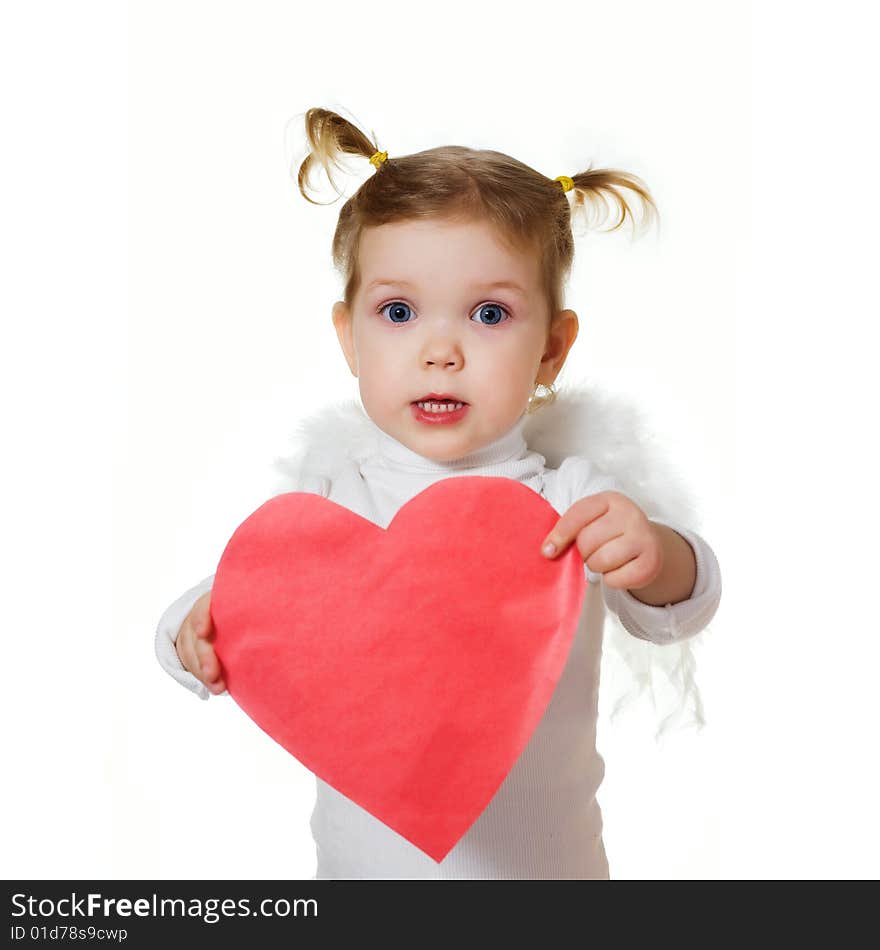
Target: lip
(433, 397)
(439, 418)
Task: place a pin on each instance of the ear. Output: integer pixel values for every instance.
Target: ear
(342, 318)
(560, 336)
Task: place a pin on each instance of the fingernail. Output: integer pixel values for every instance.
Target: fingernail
(549, 549)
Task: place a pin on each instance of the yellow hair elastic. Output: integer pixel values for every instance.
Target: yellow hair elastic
(567, 183)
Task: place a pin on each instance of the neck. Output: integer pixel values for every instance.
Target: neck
(508, 446)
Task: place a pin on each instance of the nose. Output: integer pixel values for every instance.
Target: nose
(443, 350)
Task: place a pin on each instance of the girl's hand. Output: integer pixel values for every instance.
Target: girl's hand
(614, 537)
(194, 645)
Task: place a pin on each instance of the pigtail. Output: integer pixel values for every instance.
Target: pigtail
(595, 186)
(330, 135)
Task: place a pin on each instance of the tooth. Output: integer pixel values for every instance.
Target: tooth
(440, 406)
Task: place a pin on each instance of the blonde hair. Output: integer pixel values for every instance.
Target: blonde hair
(527, 210)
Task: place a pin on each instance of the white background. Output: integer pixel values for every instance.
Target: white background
(166, 313)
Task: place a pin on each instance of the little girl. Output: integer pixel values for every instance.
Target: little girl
(454, 263)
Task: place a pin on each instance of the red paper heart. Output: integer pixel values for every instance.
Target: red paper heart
(406, 667)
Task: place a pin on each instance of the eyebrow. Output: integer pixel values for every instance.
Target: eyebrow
(495, 285)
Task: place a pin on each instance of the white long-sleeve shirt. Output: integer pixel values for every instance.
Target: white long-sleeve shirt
(544, 820)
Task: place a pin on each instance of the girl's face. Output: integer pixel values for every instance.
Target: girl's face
(431, 317)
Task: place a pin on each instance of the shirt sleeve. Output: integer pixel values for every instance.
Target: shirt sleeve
(672, 622)
(173, 617)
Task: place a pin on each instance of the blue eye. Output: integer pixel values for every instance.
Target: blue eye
(502, 312)
(396, 306)
(398, 311)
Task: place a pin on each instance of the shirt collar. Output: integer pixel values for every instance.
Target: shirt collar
(510, 446)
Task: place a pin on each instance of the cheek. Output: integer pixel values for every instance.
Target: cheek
(365, 348)
(379, 368)
(519, 361)
(374, 357)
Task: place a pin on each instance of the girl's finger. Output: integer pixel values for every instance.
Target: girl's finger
(611, 555)
(626, 575)
(204, 630)
(591, 539)
(579, 515)
(200, 617)
(207, 659)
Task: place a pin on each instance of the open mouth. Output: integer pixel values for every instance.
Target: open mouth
(439, 402)
(439, 405)
(439, 410)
